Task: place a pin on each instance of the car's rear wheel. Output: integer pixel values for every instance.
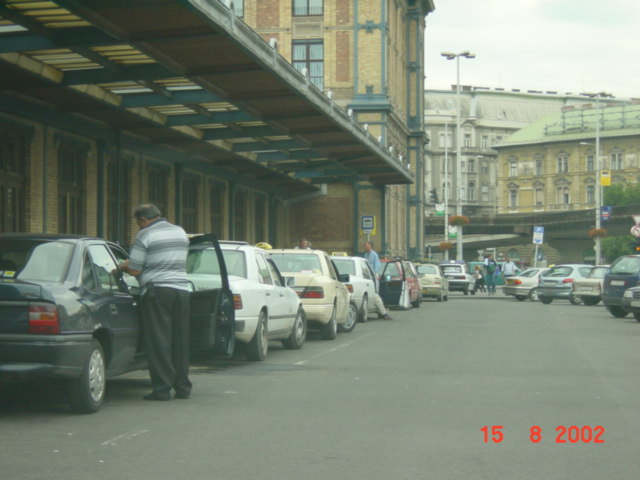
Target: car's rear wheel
(364, 310)
(86, 392)
(545, 300)
(329, 330)
(521, 298)
(636, 315)
(533, 295)
(258, 347)
(575, 299)
(590, 301)
(351, 320)
(616, 311)
(298, 332)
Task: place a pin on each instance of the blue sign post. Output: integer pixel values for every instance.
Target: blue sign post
(538, 236)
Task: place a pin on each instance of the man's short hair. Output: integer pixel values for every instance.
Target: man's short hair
(147, 210)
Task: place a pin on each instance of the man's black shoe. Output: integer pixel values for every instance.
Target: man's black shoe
(156, 397)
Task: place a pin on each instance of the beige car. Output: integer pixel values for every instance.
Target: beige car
(325, 299)
(590, 288)
(433, 283)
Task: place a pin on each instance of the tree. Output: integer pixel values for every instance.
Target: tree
(614, 247)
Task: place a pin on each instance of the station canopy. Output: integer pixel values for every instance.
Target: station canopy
(190, 78)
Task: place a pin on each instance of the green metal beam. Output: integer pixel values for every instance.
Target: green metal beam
(176, 98)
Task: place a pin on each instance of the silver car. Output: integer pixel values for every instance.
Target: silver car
(590, 288)
(524, 285)
(557, 282)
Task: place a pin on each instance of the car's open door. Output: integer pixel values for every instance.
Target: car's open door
(392, 284)
(212, 315)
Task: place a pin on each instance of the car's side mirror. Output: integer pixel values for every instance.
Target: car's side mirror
(290, 281)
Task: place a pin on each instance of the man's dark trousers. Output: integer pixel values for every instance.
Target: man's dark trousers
(165, 322)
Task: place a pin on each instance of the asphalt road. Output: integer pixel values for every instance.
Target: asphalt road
(401, 399)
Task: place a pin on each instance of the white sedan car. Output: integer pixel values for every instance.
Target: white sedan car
(326, 300)
(266, 309)
(433, 282)
(523, 285)
(362, 283)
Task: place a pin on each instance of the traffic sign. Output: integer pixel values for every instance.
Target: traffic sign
(368, 223)
(538, 235)
(635, 231)
(605, 213)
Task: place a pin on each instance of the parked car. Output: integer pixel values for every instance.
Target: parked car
(433, 283)
(557, 282)
(399, 285)
(362, 283)
(630, 302)
(624, 273)
(65, 315)
(265, 308)
(325, 299)
(590, 288)
(524, 285)
(460, 280)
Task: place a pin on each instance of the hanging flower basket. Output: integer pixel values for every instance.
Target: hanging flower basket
(597, 233)
(445, 246)
(458, 220)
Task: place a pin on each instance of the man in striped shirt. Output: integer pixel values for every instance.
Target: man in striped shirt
(158, 258)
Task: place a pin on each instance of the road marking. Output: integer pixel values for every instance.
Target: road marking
(124, 436)
(331, 350)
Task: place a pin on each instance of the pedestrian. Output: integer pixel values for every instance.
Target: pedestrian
(372, 257)
(491, 269)
(303, 244)
(478, 284)
(158, 258)
(374, 262)
(509, 268)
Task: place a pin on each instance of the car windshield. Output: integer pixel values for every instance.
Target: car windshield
(203, 261)
(345, 266)
(625, 266)
(37, 260)
(598, 272)
(297, 262)
(428, 269)
(451, 268)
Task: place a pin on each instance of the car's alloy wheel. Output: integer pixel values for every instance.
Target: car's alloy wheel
(258, 347)
(533, 295)
(575, 299)
(86, 392)
(364, 310)
(298, 332)
(351, 320)
(329, 330)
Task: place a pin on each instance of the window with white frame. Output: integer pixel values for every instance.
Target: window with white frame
(471, 190)
(539, 167)
(484, 167)
(591, 163)
(616, 161)
(591, 194)
(513, 198)
(538, 196)
(307, 7)
(309, 55)
(513, 168)
(563, 163)
(562, 195)
(467, 140)
(484, 141)
(472, 166)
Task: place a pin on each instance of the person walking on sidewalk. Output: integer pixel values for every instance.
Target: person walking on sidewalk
(491, 269)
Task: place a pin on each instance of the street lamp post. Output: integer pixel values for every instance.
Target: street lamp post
(597, 168)
(451, 56)
(446, 186)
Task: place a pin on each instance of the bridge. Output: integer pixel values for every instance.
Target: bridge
(565, 231)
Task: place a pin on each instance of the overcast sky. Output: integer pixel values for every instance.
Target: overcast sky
(549, 45)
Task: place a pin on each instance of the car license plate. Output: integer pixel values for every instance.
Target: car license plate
(635, 303)
(617, 283)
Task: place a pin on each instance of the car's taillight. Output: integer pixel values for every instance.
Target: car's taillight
(313, 292)
(237, 301)
(43, 319)
(517, 282)
(567, 280)
(349, 287)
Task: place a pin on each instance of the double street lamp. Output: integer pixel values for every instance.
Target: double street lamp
(598, 172)
(451, 56)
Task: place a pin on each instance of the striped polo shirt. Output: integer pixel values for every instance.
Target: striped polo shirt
(160, 253)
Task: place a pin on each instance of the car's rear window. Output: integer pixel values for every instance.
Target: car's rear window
(345, 266)
(297, 262)
(625, 266)
(598, 272)
(451, 268)
(427, 269)
(529, 273)
(559, 272)
(36, 260)
(203, 261)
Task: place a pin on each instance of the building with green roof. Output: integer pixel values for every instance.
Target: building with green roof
(550, 165)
